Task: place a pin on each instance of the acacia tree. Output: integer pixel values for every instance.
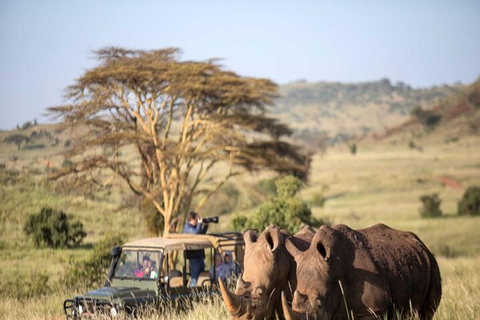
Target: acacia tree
(181, 118)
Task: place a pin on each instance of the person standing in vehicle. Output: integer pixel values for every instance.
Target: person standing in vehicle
(195, 225)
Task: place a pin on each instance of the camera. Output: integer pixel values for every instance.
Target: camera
(210, 220)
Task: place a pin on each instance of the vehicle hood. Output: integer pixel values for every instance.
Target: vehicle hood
(112, 293)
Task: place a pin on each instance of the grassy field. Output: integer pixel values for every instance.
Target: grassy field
(381, 183)
(461, 296)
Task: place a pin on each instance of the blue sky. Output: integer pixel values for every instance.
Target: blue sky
(45, 44)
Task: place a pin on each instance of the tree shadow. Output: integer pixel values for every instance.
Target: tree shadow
(34, 147)
(84, 246)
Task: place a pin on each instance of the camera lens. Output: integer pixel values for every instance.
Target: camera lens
(210, 220)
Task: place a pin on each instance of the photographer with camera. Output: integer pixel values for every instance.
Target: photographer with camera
(195, 225)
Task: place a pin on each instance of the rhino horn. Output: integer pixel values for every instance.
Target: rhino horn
(232, 301)
(288, 313)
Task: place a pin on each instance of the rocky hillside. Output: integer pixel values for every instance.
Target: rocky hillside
(338, 111)
(453, 117)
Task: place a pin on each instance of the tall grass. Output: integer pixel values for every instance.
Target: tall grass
(460, 300)
(381, 183)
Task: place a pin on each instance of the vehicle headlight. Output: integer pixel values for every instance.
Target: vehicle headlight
(113, 312)
(80, 309)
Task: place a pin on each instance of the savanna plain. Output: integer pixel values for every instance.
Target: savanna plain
(382, 182)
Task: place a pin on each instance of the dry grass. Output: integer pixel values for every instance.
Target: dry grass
(460, 301)
(382, 183)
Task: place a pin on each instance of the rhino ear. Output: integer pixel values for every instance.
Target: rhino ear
(292, 249)
(272, 238)
(323, 242)
(323, 250)
(250, 236)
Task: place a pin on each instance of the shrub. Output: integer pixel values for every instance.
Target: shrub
(353, 148)
(450, 139)
(26, 125)
(318, 200)
(91, 271)
(427, 118)
(431, 206)
(470, 202)
(53, 229)
(154, 220)
(267, 186)
(285, 209)
(67, 163)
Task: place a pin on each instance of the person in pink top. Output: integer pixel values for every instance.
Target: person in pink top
(145, 269)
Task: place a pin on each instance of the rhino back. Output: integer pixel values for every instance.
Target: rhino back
(404, 262)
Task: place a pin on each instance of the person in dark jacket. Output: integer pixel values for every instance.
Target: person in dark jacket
(195, 225)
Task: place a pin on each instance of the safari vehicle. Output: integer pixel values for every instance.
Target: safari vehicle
(127, 289)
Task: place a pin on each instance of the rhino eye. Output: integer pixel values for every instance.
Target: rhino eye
(259, 291)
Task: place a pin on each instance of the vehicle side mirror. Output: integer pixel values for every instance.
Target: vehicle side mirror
(116, 251)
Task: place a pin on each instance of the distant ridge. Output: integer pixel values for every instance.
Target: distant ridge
(458, 114)
(338, 111)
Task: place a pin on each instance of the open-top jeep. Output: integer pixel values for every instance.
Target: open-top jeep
(127, 288)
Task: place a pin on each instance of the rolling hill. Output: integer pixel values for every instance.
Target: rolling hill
(456, 116)
(339, 111)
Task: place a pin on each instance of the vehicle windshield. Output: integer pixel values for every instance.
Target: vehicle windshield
(141, 264)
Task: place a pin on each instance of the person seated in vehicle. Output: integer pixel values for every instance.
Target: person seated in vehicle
(153, 272)
(228, 259)
(144, 270)
(195, 225)
(221, 269)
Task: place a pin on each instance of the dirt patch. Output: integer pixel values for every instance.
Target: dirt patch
(450, 182)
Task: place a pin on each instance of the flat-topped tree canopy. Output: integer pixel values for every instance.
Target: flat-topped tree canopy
(181, 118)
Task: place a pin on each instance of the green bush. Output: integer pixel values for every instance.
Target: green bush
(239, 222)
(91, 271)
(285, 210)
(267, 186)
(431, 206)
(53, 229)
(353, 148)
(428, 118)
(318, 200)
(469, 205)
(67, 163)
(154, 220)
